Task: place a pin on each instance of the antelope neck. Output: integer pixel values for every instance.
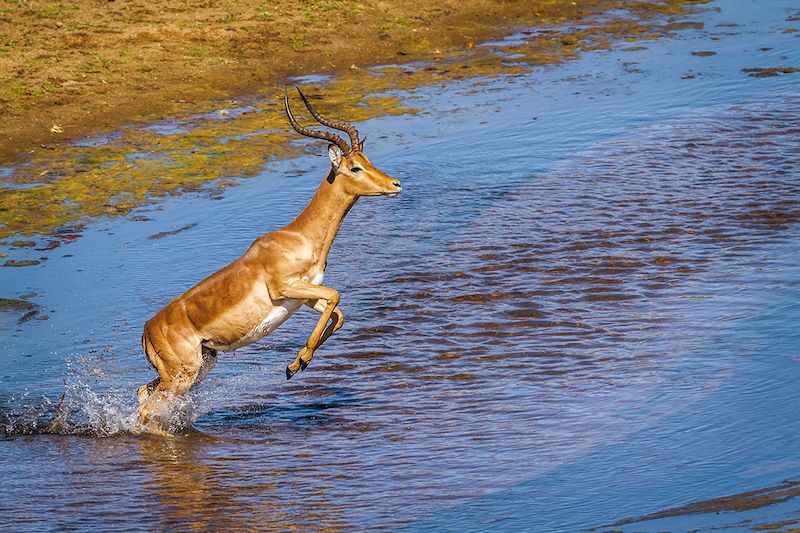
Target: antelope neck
(321, 219)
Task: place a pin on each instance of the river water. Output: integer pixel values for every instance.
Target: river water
(581, 310)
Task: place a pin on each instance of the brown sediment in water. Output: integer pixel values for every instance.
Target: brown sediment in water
(112, 65)
(162, 234)
(26, 310)
(20, 263)
(769, 72)
(745, 501)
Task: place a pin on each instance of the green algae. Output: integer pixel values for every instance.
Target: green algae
(68, 184)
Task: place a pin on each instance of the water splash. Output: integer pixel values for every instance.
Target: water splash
(88, 406)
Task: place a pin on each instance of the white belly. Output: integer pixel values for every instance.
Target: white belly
(276, 317)
(270, 323)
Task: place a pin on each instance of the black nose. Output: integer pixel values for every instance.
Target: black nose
(396, 183)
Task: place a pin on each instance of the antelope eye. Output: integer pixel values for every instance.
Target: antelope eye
(356, 169)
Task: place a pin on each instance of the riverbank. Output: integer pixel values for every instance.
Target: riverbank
(180, 122)
(81, 68)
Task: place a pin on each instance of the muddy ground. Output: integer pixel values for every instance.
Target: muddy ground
(218, 75)
(70, 69)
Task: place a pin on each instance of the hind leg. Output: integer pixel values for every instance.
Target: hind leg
(155, 409)
(179, 363)
(209, 361)
(144, 392)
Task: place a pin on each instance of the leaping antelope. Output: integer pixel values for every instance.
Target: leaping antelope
(281, 271)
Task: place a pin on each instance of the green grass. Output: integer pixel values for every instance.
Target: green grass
(392, 23)
(299, 44)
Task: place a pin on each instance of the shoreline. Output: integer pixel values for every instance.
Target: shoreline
(134, 158)
(69, 73)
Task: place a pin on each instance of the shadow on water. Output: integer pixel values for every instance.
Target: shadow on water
(311, 414)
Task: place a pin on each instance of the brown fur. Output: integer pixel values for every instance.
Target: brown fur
(276, 274)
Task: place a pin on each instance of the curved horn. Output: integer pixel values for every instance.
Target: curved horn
(324, 135)
(340, 125)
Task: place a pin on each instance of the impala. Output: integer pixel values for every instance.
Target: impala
(280, 272)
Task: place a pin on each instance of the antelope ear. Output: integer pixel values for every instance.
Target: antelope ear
(335, 154)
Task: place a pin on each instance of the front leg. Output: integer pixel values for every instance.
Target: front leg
(302, 290)
(337, 321)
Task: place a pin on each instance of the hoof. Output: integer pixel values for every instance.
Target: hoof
(289, 373)
(303, 364)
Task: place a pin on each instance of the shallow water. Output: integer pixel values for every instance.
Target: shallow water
(582, 309)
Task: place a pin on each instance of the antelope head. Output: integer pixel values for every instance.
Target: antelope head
(351, 169)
